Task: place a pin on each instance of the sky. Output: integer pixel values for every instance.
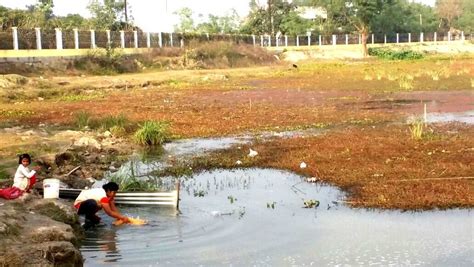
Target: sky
(155, 15)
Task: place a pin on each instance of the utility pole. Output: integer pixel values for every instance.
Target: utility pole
(126, 13)
(270, 13)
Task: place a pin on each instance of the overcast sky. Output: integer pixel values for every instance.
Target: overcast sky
(154, 15)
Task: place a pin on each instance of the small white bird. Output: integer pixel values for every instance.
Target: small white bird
(302, 165)
(252, 153)
(238, 162)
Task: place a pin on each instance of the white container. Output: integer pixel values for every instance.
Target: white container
(51, 188)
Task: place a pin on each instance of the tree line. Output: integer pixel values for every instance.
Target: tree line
(267, 17)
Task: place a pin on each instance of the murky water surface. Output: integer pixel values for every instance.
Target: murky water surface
(255, 217)
(465, 117)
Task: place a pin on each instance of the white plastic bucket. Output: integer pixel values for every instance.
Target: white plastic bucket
(51, 188)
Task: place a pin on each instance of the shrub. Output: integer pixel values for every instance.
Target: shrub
(111, 121)
(416, 129)
(130, 183)
(152, 133)
(108, 61)
(390, 54)
(82, 119)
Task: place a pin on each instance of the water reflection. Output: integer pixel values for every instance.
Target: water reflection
(232, 223)
(102, 243)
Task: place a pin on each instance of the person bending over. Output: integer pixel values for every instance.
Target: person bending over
(90, 201)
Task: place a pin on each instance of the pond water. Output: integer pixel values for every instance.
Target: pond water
(255, 217)
(465, 117)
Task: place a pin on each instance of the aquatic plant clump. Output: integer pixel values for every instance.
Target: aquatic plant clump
(152, 133)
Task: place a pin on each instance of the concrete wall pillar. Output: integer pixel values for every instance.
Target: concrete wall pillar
(76, 38)
(398, 38)
(93, 45)
(286, 40)
(261, 40)
(334, 39)
(38, 38)
(160, 39)
(309, 39)
(171, 39)
(384, 39)
(347, 39)
(297, 40)
(435, 37)
(409, 37)
(320, 40)
(421, 37)
(15, 37)
(122, 39)
(148, 40)
(373, 39)
(59, 38)
(269, 41)
(253, 39)
(135, 39)
(109, 41)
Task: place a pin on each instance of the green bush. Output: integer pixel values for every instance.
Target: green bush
(390, 54)
(112, 121)
(152, 133)
(108, 61)
(82, 119)
(130, 183)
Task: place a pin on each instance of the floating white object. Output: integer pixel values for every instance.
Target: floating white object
(252, 153)
(238, 162)
(302, 165)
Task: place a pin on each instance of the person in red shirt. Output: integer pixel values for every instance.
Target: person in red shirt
(90, 201)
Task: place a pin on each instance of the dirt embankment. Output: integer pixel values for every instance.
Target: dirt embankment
(39, 232)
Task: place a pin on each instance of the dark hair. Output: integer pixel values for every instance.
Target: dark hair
(111, 186)
(24, 156)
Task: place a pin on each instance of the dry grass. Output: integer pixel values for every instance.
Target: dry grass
(379, 167)
(331, 95)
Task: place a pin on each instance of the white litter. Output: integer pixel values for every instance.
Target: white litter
(303, 165)
(252, 153)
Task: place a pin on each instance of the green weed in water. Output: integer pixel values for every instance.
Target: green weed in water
(416, 129)
(152, 133)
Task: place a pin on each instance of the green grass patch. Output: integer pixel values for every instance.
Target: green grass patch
(82, 119)
(152, 133)
(3, 174)
(391, 54)
(16, 113)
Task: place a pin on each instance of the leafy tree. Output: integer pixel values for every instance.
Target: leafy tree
(107, 15)
(267, 20)
(186, 21)
(448, 11)
(225, 24)
(294, 24)
(465, 21)
(404, 16)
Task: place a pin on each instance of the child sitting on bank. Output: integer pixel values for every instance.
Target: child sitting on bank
(24, 179)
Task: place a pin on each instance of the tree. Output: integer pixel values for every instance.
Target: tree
(448, 11)
(465, 21)
(229, 23)
(405, 16)
(267, 20)
(186, 21)
(107, 15)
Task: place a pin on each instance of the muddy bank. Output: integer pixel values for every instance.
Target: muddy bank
(36, 231)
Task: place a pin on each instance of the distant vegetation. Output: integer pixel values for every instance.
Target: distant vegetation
(392, 54)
